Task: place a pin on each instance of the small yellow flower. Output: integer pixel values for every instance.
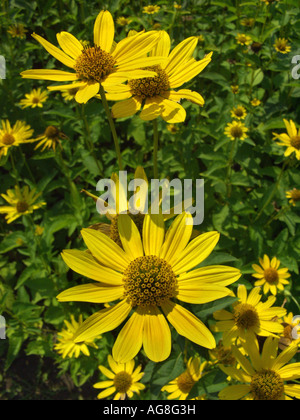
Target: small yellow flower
(249, 317)
(223, 355)
(200, 38)
(17, 31)
(14, 136)
(39, 230)
(34, 99)
(255, 102)
(291, 333)
(269, 1)
(123, 21)
(243, 39)
(239, 113)
(291, 139)
(269, 276)
(264, 375)
(173, 128)
(50, 138)
(66, 345)
(180, 387)
(177, 6)
(235, 89)
(21, 202)
(293, 195)
(151, 9)
(249, 22)
(281, 45)
(122, 379)
(236, 130)
(69, 94)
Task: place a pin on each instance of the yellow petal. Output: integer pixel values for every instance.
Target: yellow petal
(92, 292)
(46, 74)
(188, 94)
(126, 108)
(220, 274)
(87, 92)
(56, 52)
(130, 237)
(181, 53)
(162, 48)
(186, 72)
(69, 44)
(104, 30)
(193, 292)
(152, 109)
(153, 234)
(173, 112)
(136, 46)
(187, 325)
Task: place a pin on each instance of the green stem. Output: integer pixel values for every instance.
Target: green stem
(229, 169)
(112, 126)
(155, 148)
(15, 172)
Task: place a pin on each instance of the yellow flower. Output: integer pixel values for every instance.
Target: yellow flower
(21, 202)
(291, 139)
(156, 96)
(146, 275)
(281, 45)
(17, 31)
(293, 195)
(291, 332)
(123, 21)
(255, 102)
(236, 130)
(34, 99)
(235, 89)
(50, 138)
(180, 387)
(248, 22)
(105, 63)
(67, 346)
(69, 94)
(264, 375)
(14, 136)
(39, 230)
(243, 39)
(269, 1)
(239, 112)
(122, 379)
(222, 355)
(177, 6)
(172, 128)
(151, 9)
(249, 316)
(269, 276)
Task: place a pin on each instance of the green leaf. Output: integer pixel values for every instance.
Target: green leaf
(206, 310)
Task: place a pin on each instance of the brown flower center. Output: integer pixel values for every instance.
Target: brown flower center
(8, 139)
(51, 132)
(236, 132)
(94, 64)
(267, 385)
(22, 206)
(271, 275)
(246, 316)
(295, 142)
(295, 195)
(122, 382)
(149, 280)
(185, 382)
(148, 87)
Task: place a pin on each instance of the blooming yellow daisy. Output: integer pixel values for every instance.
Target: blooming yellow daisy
(255, 102)
(151, 9)
(263, 376)
(291, 333)
(269, 1)
(293, 195)
(21, 202)
(34, 99)
(249, 22)
(235, 89)
(180, 387)
(239, 112)
(123, 21)
(14, 136)
(281, 45)
(50, 138)
(66, 345)
(122, 379)
(17, 31)
(236, 130)
(156, 96)
(291, 139)
(270, 277)
(105, 63)
(69, 94)
(249, 316)
(243, 39)
(146, 275)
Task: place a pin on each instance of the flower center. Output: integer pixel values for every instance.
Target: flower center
(267, 385)
(149, 280)
(185, 382)
(8, 139)
(236, 132)
(295, 142)
(246, 316)
(122, 382)
(295, 195)
(22, 206)
(94, 64)
(148, 87)
(271, 275)
(239, 112)
(35, 100)
(51, 132)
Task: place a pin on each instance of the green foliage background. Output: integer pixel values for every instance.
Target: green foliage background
(244, 187)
